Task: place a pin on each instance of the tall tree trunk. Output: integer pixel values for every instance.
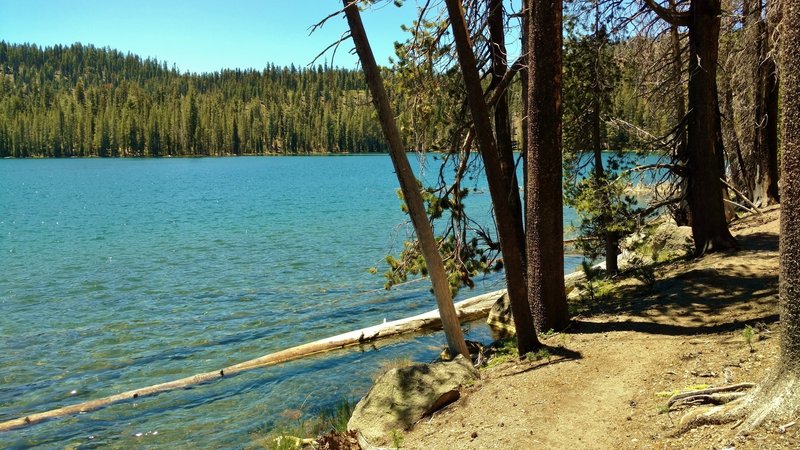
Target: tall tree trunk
(408, 184)
(777, 398)
(611, 244)
(681, 212)
(770, 163)
(767, 115)
(544, 201)
(524, 76)
(509, 230)
(502, 118)
(790, 189)
(709, 225)
(741, 177)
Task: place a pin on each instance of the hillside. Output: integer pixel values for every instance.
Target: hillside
(80, 100)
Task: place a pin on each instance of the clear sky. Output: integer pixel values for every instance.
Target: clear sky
(203, 35)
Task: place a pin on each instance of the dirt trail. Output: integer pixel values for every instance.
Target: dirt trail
(600, 389)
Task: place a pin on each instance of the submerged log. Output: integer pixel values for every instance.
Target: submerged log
(467, 310)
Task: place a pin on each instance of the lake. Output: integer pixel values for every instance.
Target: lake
(122, 273)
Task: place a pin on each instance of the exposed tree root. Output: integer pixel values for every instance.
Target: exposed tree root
(714, 395)
(714, 399)
(775, 402)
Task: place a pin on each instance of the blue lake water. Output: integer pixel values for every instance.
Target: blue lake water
(118, 274)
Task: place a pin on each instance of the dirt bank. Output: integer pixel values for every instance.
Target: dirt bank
(607, 382)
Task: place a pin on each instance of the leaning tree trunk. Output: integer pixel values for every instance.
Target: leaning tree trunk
(508, 229)
(544, 202)
(502, 118)
(709, 226)
(408, 184)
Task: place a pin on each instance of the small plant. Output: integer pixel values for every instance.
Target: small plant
(643, 272)
(296, 432)
(596, 287)
(397, 438)
(337, 417)
(503, 351)
(541, 353)
(750, 334)
(547, 334)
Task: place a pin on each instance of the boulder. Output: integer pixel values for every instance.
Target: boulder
(403, 396)
(663, 241)
(500, 318)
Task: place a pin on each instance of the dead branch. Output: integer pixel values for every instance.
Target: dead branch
(743, 197)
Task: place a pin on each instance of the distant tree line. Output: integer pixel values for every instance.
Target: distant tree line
(80, 100)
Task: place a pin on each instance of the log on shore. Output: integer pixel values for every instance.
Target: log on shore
(468, 310)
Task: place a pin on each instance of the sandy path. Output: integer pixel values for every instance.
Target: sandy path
(601, 390)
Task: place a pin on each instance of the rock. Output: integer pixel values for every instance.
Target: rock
(500, 318)
(403, 396)
(664, 241)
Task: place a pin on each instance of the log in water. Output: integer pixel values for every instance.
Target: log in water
(468, 310)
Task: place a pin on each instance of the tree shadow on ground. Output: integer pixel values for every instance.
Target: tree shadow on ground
(555, 355)
(717, 293)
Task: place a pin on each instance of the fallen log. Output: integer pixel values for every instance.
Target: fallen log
(467, 310)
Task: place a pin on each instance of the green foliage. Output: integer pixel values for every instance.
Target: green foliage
(397, 438)
(80, 100)
(541, 353)
(336, 418)
(643, 272)
(505, 350)
(603, 206)
(463, 258)
(590, 74)
(596, 288)
(750, 334)
(285, 435)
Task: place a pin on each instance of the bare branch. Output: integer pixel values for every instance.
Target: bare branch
(670, 15)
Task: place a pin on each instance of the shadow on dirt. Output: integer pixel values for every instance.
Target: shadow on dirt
(717, 293)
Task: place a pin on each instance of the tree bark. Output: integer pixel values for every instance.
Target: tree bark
(611, 244)
(681, 212)
(544, 201)
(766, 115)
(502, 118)
(509, 230)
(777, 399)
(709, 225)
(790, 189)
(408, 183)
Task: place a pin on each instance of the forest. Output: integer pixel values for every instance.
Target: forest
(710, 87)
(79, 100)
(82, 101)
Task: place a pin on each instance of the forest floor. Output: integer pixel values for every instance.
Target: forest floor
(709, 321)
